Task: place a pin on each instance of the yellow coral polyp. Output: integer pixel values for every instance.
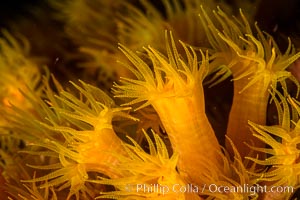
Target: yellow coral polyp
(256, 65)
(175, 83)
(24, 76)
(71, 176)
(284, 153)
(148, 175)
(93, 144)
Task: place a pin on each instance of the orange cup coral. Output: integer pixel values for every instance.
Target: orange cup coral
(82, 143)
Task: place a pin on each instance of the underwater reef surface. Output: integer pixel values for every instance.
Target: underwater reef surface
(140, 99)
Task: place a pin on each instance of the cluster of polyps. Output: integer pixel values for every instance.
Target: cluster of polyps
(73, 140)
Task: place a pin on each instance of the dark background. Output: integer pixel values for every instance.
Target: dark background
(283, 14)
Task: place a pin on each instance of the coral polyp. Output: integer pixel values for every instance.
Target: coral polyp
(135, 121)
(176, 83)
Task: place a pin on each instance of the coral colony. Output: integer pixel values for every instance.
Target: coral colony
(146, 132)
